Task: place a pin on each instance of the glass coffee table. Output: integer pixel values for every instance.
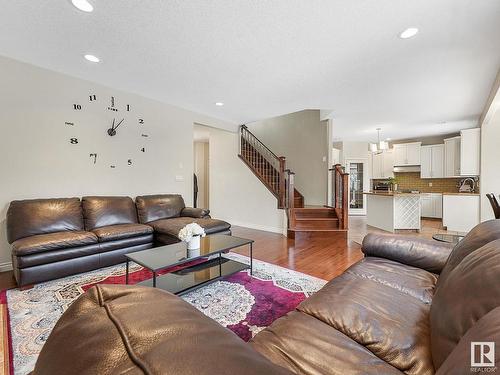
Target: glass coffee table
(193, 269)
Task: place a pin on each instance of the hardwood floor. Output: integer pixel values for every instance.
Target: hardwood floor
(321, 257)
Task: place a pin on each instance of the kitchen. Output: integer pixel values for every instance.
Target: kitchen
(421, 179)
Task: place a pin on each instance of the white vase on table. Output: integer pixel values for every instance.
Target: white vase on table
(194, 243)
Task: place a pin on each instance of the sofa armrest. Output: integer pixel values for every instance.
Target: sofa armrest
(198, 213)
(422, 253)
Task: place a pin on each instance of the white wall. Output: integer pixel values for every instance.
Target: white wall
(303, 139)
(236, 194)
(38, 161)
(490, 158)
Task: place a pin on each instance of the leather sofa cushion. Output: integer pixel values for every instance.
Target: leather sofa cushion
(52, 256)
(479, 236)
(27, 218)
(469, 292)
(306, 345)
(486, 329)
(412, 281)
(173, 226)
(104, 211)
(195, 212)
(156, 207)
(121, 231)
(389, 322)
(140, 330)
(52, 241)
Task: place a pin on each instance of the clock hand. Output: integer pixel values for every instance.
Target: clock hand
(113, 126)
(116, 127)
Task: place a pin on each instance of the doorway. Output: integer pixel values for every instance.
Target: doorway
(201, 167)
(358, 183)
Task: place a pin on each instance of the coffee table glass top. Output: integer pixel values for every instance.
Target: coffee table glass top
(158, 258)
(451, 238)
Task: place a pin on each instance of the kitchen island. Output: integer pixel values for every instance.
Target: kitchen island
(391, 211)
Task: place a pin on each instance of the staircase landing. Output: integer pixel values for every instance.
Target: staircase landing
(317, 222)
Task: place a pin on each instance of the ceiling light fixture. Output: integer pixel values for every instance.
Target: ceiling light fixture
(219, 104)
(92, 58)
(409, 33)
(83, 5)
(380, 145)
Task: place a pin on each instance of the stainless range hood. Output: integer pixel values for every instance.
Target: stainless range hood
(407, 169)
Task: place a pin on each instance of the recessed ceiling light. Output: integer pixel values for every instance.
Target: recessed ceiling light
(219, 104)
(83, 5)
(388, 139)
(408, 33)
(92, 58)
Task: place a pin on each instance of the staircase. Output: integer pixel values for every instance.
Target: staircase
(303, 222)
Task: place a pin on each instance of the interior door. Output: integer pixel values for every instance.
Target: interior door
(358, 183)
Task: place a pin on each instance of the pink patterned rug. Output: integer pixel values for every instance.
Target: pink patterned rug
(242, 302)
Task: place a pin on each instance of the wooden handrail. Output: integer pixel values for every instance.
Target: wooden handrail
(264, 163)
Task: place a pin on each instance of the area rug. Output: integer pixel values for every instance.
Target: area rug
(243, 303)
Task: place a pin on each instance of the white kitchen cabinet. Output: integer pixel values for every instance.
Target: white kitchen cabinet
(461, 211)
(388, 164)
(470, 144)
(407, 154)
(432, 161)
(382, 165)
(452, 157)
(431, 205)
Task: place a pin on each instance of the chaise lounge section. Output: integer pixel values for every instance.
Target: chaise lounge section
(53, 238)
(168, 214)
(409, 307)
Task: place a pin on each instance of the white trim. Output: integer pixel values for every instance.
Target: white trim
(257, 226)
(5, 266)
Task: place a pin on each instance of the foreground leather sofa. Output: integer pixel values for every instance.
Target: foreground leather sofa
(409, 307)
(53, 238)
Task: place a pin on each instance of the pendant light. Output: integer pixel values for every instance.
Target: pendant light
(380, 145)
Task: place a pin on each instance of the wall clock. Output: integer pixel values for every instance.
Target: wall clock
(115, 117)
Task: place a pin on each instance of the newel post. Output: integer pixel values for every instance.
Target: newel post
(282, 182)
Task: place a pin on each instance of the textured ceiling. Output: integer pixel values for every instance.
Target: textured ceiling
(266, 58)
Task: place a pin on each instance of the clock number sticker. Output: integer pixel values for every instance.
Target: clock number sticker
(128, 107)
(112, 107)
(73, 141)
(95, 157)
(141, 121)
(92, 98)
(143, 149)
(69, 123)
(77, 107)
(129, 162)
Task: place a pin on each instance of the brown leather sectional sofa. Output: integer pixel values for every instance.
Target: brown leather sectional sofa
(52, 238)
(409, 307)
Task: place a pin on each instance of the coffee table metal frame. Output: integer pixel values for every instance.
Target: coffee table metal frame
(228, 243)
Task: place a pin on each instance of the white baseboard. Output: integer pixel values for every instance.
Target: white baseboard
(6, 266)
(258, 227)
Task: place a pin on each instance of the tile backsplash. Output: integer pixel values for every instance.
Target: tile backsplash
(412, 181)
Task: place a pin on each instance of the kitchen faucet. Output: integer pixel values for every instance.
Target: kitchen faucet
(467, 188)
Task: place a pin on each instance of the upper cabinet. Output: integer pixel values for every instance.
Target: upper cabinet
(432, 161)
(462, 154)
(470, 144)
(382, 165)
(407, 154)
(452, 157)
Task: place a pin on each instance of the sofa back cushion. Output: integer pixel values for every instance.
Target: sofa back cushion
(30, 217)
(103, 211)
(469, 292)
(156, 207)
(479, 236)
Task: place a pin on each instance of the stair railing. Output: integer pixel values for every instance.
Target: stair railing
(290, 197)
(265, 164)
(340, 192)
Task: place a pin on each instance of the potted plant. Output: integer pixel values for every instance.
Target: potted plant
(393, 183)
